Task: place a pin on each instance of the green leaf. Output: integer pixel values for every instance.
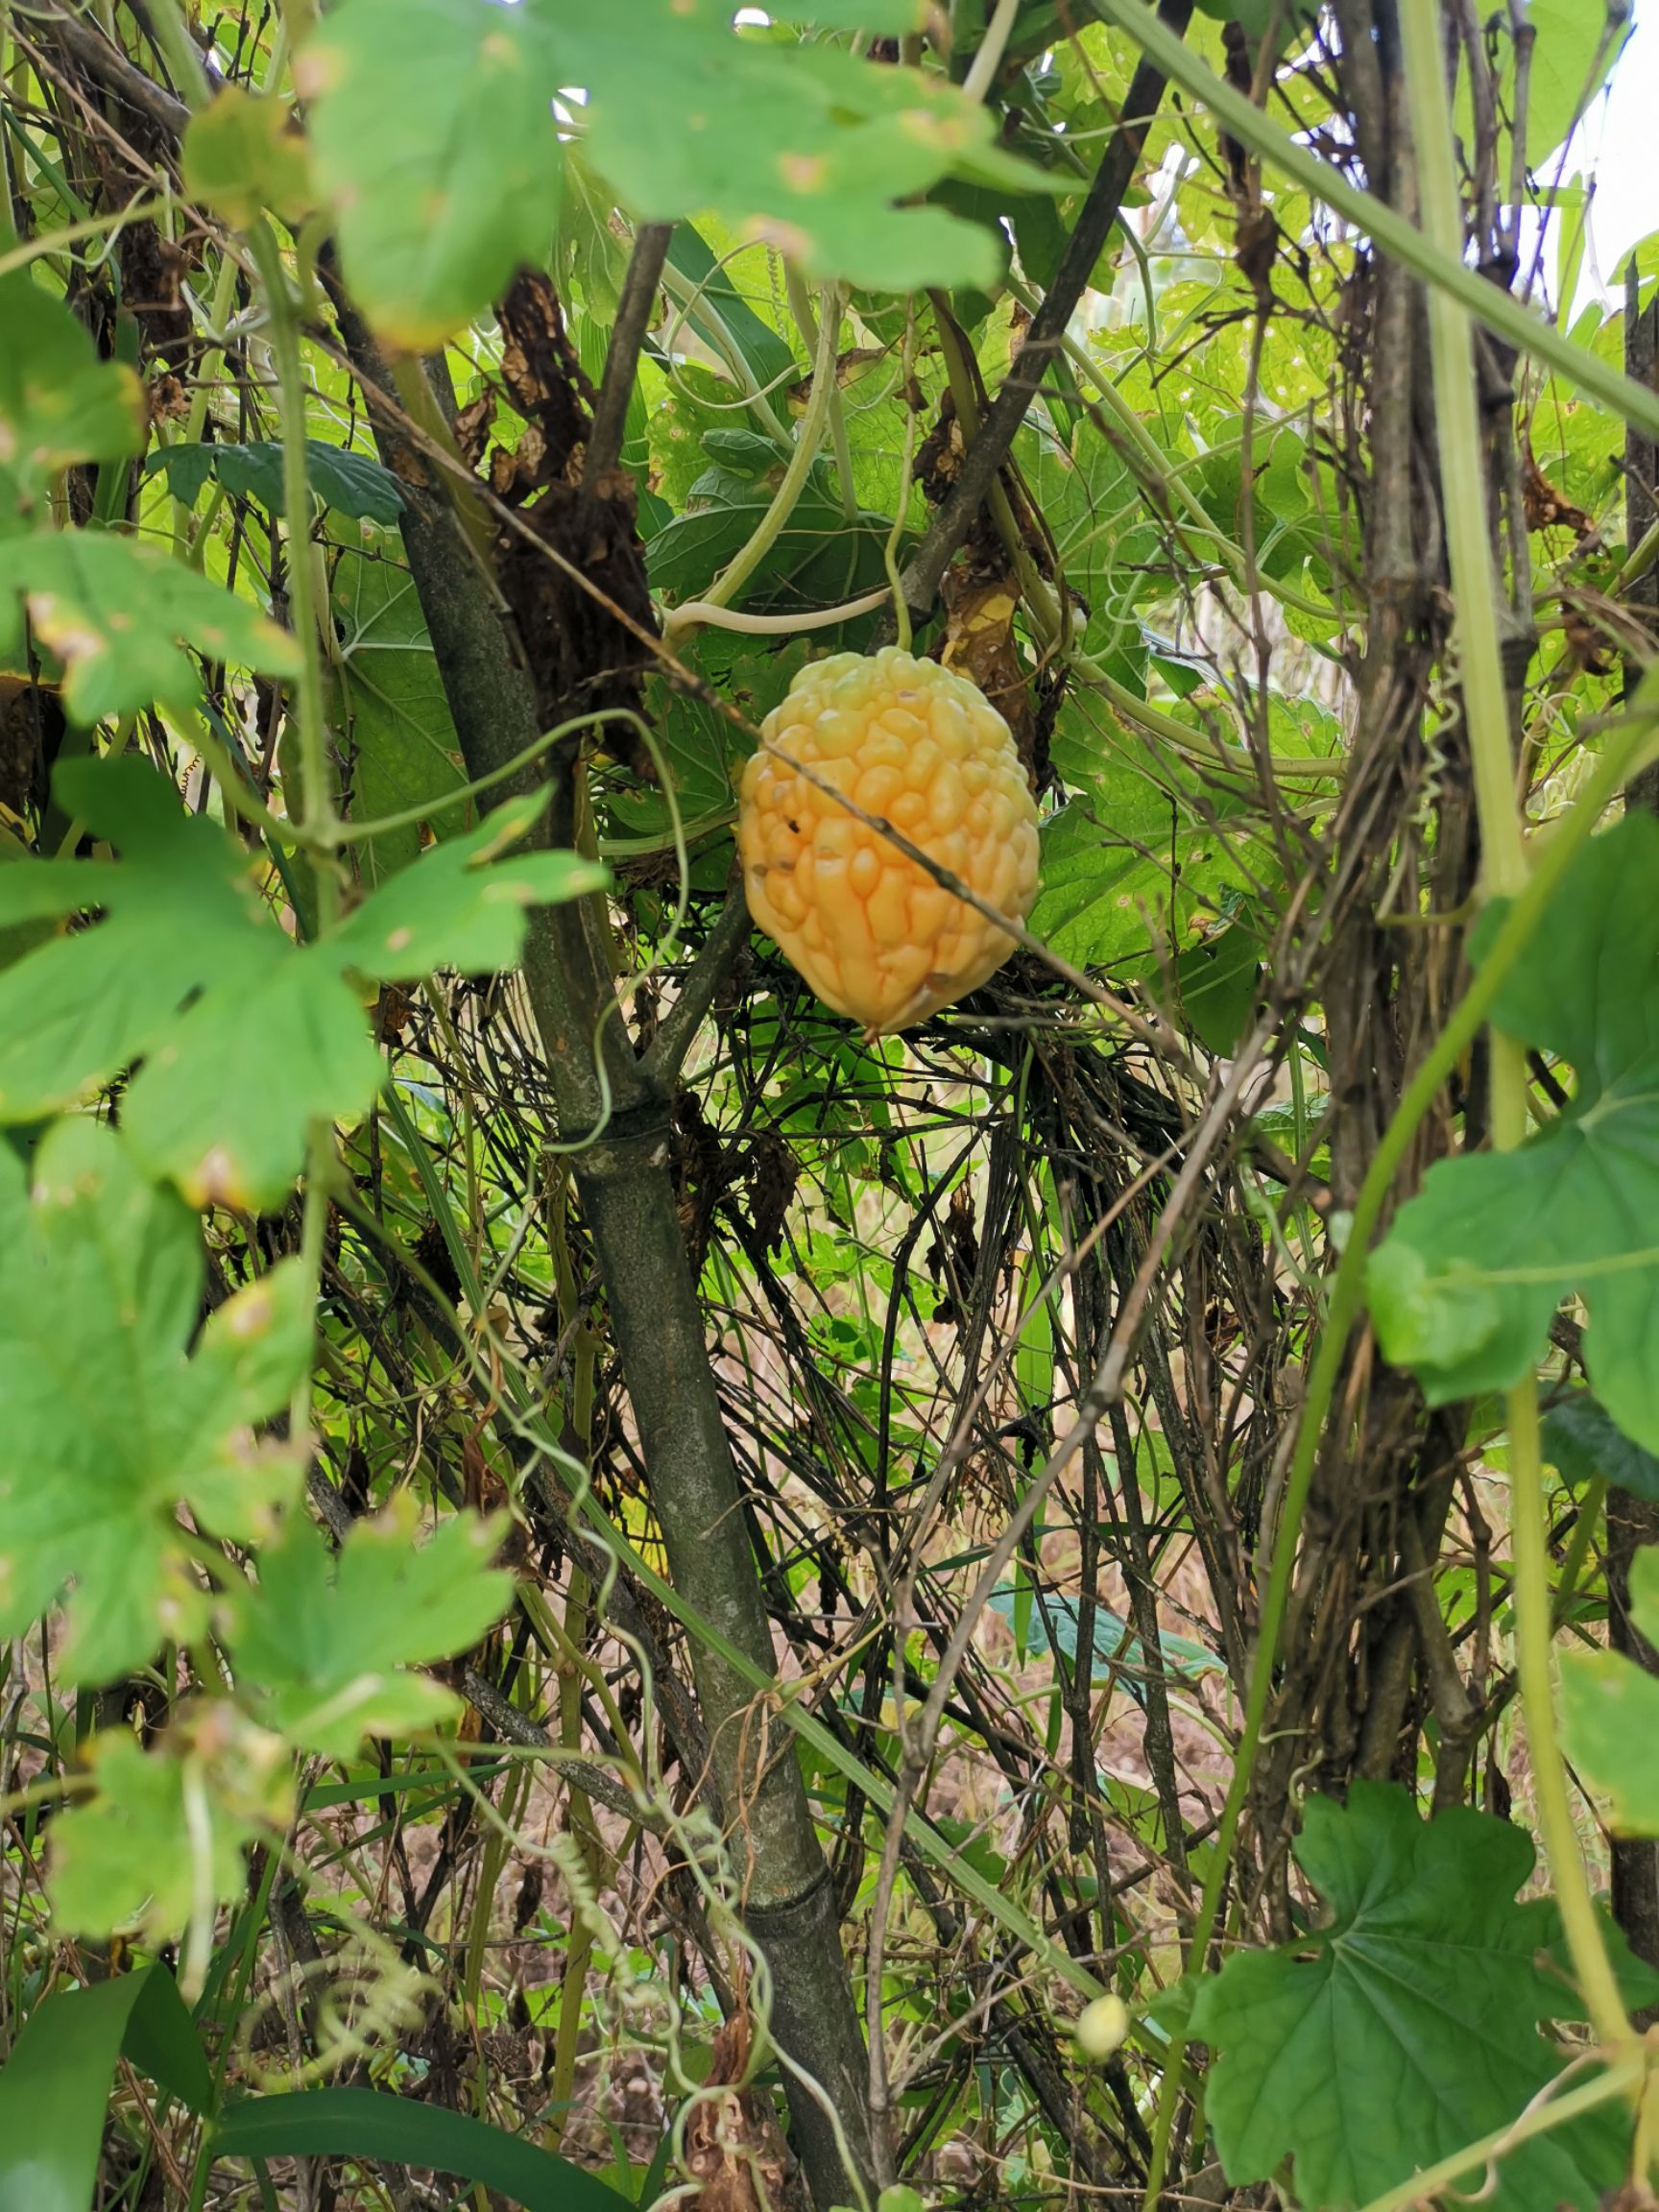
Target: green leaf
(1562, 77)
(233, 1081)
(321, 1642)
(55, 2086)
(404, 752)
(1610, 1714)
(885, 19)
(165, 1830)
(804, 147)
(1216, 980)
(818, 558)
(1116, 1646)
(453, 910)
(367, 2124)
(1122, 868)
(1465, 1285)
(1582, 1439)
(109, 1421)
(59, 402)
(433, 135)
(119, 614)
(353, 484)
(1404, 2027)
(246, 1038)
(163, 2044)
(242, 157)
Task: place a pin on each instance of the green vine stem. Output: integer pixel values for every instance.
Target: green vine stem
(1538, 2119)
(1625, 747)
(696, 614)
(1534, 1642)
(808, 438)
(317, 821)
(317, 816)
(691, 299)
(171, 31)
(812, 337)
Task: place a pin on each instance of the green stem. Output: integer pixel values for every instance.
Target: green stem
(318, 815)
(1592, 1499)
(992, 47)
(184, 60)
(688, 299)
(1474, 588)
(807, 323)
(1515, 932)
(8, 227)
(1528, 1540)
(902, 504)
(810, 436)
(1464, 498)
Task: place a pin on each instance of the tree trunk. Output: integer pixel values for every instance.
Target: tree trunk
(625, 1186)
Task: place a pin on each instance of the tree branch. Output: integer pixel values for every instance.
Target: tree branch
(920, 582)
(661, 1064)
(624, 1181)
(622, 355)
(81, 40)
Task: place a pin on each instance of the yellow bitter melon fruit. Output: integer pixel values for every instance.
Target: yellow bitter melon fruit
(876, 937)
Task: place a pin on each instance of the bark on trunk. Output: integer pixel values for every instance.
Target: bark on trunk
(625, 1186)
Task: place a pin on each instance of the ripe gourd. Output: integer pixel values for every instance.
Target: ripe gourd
(917, 745)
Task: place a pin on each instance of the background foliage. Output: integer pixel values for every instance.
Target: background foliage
(615, 1595)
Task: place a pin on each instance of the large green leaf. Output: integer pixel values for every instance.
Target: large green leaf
(807, 147)
(353, 484)
(434, 136)
(1407, 2026)
(109, 1421)
(1610, 1714)
(367, 2124)
(1464, 1287)
(119, 616)
(324, 1642)
(1127, 867)
(55, 2084)
(246, 1038)
(404, 752)
(59, 402)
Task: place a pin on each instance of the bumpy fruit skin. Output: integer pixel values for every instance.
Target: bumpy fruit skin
(909, 741)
